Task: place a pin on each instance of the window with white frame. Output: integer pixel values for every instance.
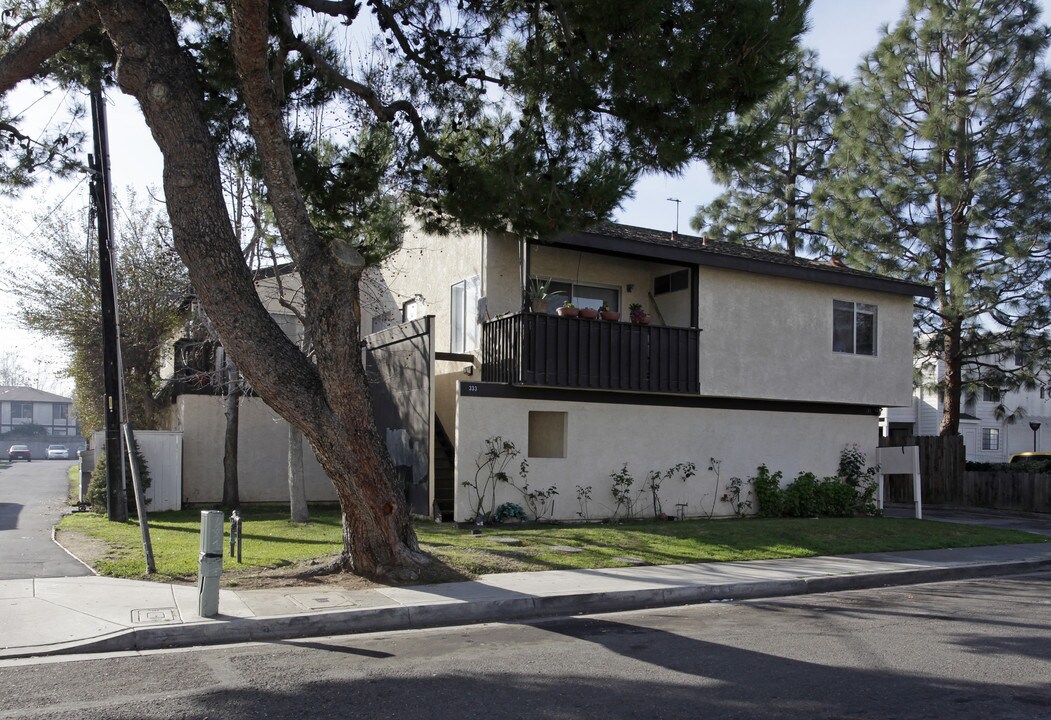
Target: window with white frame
(61, 411)
(990, 394)
(990, 439)
(463, 312)
(853, 328)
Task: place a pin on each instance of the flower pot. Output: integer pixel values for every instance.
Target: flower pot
(539, 305)
(568, 311)
(588, 313)
(609, 315)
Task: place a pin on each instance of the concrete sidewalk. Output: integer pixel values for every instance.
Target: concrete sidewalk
(95, 614)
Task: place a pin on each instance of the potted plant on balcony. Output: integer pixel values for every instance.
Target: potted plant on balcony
(568, 309)
(638, 315)
(588, 313)
(606, 314)
(539, 295)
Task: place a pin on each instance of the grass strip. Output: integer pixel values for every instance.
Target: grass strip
(271, 541)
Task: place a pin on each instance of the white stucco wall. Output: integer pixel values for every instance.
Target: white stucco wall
(446, 375)
(768, 337)
(602, 437)
(262, 453)
(426, 265)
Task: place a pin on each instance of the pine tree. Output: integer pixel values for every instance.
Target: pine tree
(768, 201)
(942, 174)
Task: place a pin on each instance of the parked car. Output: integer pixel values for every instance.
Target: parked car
(57, 452)
(1040, 459)
(20, 452)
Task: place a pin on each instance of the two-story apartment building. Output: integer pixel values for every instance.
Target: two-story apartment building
(20, 406)
(750, 358)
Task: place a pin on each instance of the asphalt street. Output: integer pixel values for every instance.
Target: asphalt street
(969, 649)
(32, 496)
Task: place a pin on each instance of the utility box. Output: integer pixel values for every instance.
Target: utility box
(210, 563)
(87, 466)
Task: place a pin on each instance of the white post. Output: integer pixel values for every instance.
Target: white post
(916, 494)
(210, 563)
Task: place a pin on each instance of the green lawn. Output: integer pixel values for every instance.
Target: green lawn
(270, 541)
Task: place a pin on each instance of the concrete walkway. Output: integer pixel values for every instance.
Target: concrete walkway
(96, 614)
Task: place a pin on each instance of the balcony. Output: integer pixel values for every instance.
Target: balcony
(551, 351)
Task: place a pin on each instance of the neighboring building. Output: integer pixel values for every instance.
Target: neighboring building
(985, 437)
(193, 391)
(751, 358)
(25, 406)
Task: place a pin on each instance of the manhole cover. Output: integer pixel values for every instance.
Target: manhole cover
(321, 601)
(153, 616)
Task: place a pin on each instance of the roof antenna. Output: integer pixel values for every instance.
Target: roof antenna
(677, 201)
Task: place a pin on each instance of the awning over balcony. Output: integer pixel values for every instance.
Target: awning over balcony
(546, 350)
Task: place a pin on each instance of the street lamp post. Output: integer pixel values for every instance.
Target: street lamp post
(1034, 426)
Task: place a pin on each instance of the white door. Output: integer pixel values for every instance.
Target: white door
(970, 442)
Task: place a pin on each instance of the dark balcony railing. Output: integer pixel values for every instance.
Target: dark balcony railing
(534, 349)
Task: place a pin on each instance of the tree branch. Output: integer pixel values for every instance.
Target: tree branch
(46, 39)
(347, 9)
(384, 112)
(250, 50)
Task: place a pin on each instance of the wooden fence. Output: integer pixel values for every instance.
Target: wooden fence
(944, 481)
(1026, 492)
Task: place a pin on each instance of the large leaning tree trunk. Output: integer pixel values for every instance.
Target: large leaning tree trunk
(333, 414)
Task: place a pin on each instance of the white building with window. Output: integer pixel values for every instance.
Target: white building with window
(985, 437)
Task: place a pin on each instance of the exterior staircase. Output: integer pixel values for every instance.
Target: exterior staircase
(444, 472)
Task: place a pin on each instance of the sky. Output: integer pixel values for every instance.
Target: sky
(840, 31)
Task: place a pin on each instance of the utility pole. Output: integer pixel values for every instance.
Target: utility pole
(116, 499)
(117, 421)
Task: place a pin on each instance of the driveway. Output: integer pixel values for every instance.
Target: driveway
(32, 498)
(1036, 523)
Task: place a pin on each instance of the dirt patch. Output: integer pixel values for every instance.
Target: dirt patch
(85, 548)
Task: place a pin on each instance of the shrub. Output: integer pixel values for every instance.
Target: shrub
(97, 486)
(852, 492)
(806, 496)
(769, 496)
(1035, 466)
(508, 511)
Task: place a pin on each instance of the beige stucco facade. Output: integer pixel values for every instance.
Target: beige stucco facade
(422, 271)
(771, 338)
(600, 438)
(262, 455)
(771, 388)
(763, 336)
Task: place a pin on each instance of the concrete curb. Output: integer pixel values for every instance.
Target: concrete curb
(385, 619)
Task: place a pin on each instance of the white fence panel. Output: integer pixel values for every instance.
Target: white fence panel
(162, 450)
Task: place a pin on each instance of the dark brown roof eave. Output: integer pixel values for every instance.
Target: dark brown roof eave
(706, 256)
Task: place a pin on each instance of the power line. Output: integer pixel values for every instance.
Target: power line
(26, 236)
